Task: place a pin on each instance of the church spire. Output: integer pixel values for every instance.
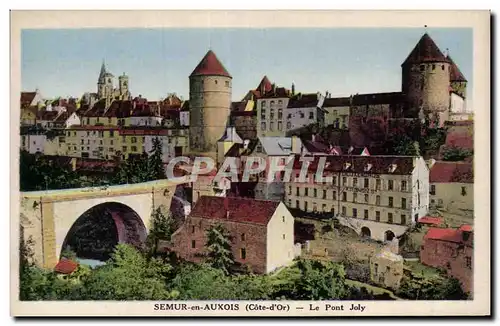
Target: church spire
(102, 74)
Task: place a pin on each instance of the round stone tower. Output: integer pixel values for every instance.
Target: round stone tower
(209, 101)
(426, 80)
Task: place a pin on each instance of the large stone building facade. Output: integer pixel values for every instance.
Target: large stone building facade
(377, 196)
(210, 101)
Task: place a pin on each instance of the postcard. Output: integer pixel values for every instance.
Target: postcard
(250, 163)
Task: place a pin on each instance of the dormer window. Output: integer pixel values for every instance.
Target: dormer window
(392, 168)
(347, 166)
(368, 167)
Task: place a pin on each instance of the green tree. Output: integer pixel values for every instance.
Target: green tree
(456, 154)
(320, 281)
(404, 145)
(218, 246)
(155, 161)
(162, 227)
(128, 276)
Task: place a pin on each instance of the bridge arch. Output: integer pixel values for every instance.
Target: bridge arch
(104, 225)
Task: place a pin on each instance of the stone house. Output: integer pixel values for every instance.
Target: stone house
(261, 232)
(451, 250)
(386, 266)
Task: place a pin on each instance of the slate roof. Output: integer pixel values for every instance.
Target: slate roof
(27, 97)
(303, 101)
(455, 73)
(243, 210)
(424, 52)
(447, 172)
(210, 66)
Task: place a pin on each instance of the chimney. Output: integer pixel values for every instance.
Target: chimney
(293, 89)
(295, 145)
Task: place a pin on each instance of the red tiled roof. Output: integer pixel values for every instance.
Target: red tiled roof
(264, 86)
(466, 228)
(445, 172)
(430, 220)
(448, 235)
(27, 97)
(246, 210)
(455, 73)
(459, 139)
(425, 51)
(210, 66)
(66, 266)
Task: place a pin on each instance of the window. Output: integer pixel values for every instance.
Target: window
(324, 208)
(272, 104)
(377, 184)
(192, 229)
(354, 212)
(387, 269)
(284, 237)
(216, 82)
(311, 115)
(334, 195)
(271, 126)
(389, 217)
(391, 201)
(464, 191)
(271, 115)
(315, 192)
(433, 190)
(468, 262)
(243, 253)
(280, 125)
(306, 191)
(88, 133)
(263, 126)
(226, 83)
(297, 192)
(366, 198)
(422, 67)
(334, 180)
(324, 194)
(416, 217)
(344, 196)
(124, 148)
(81, 141)
(302, 115)
(377, 216)
(433, 67)
(366, 214)
(288, 125)
(280, 102)
(283, 219)
(354, 197)
(332, 210)
(377, 201)
(297, 204)
(133, 148)
(375, 268)
(403, 219)
(344, 181)
(263, 105)
(280, 113)
(390, 186)
(344, 211)
(305, 206)
(403, 185)
(355, 182)
(100, 142)
(366, 183)
(243, 237)
(111, 142)
(193, 243)
(134, 140)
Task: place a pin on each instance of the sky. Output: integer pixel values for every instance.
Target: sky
(343, 61)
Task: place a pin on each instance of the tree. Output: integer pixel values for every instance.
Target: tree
(320, 281)
(456, 154)
(218, 245)
(162, 227)
(156, 168)
(128, 276)
(404, 145)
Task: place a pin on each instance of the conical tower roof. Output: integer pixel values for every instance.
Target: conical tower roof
(455, 73)
(210, 66)
(103, 72)
(425, 51)
(265, 85)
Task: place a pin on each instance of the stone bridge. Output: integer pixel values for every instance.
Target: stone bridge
(47, 217)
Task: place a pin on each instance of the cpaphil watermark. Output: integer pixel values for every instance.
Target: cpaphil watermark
(272, 169)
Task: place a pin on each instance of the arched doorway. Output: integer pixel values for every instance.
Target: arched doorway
(389, 235)
(365, 232)
(96, 232)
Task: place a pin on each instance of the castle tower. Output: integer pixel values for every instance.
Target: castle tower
(458, 82)
(426, 80)
(123, 87)
(210, 101)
